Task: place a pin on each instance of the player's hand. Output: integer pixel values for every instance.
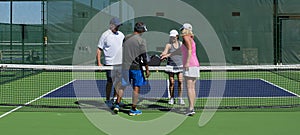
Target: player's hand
(186, 66)
(163, 56)
(100, 65)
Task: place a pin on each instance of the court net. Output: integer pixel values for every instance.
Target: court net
(48, 87)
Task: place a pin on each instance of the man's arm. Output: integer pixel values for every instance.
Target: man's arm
(144, 57)
(147, 71)
(101, 44)
(145, 63)
(98, 56)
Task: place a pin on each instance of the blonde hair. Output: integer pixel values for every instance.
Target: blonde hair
(185, 32)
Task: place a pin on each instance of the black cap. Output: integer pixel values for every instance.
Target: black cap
(140, 27)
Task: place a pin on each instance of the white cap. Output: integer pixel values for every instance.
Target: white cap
(173, 33)
(186, 26)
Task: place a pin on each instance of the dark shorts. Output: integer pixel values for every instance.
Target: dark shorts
(114, 75)
(108, 75)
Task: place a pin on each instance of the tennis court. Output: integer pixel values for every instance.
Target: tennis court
(254, 101)
(49, 99)
(238, 88)
(54, 86)
(55, 99)
(248, 50)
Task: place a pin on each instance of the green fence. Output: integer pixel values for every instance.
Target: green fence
(252, 32)
(24, 44)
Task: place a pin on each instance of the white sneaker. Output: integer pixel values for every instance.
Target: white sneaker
(114, 99)
(181, 101)
(171, 101)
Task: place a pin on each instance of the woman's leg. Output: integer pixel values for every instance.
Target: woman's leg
(180, 86)
(171, 84)
(171, 88)
(190, 83)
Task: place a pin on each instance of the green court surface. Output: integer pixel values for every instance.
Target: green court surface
(223, 123)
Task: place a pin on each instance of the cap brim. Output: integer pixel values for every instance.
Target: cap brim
(117, 24)
(181, 28)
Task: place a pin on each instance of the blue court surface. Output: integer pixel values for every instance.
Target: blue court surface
(158, 88)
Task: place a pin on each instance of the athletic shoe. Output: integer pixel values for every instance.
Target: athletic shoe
(114, 99)
(190, 113)
(135, 112)
(180, 101)
(109, 103)
(171, 101)
(116, 109)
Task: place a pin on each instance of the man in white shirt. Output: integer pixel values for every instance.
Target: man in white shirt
(110, 43)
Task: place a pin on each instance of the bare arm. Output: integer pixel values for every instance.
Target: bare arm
(167, 48)
(147, 71)
(98, 57)
(165, 54)
(145, 63)
(144, 55)
(188, 45)
(101, 43)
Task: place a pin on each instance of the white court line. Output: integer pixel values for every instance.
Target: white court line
(19, 107)
(280, 87)
(257, 97)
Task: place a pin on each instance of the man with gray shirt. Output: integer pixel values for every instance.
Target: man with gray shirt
(134, 58)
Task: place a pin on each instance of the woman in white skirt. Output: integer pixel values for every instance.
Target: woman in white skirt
(190, 64)
(174, 66)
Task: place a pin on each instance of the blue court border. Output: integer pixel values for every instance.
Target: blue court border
(236, 88)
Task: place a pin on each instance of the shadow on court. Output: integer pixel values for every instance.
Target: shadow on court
(148, 105)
